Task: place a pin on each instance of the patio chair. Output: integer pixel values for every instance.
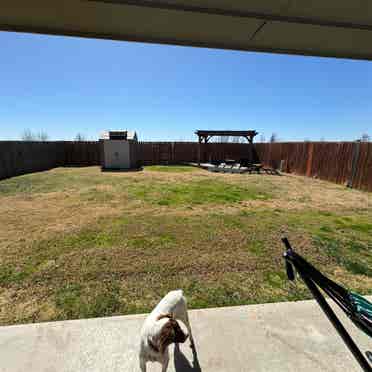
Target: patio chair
(236, 168)
(220, 167)
(244, 162)
(211, 167)
(228, 168)
(357, 308)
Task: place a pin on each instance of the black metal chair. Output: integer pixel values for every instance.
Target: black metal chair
(357, 308)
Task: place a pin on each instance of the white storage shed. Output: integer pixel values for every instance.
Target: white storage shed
(119, 150)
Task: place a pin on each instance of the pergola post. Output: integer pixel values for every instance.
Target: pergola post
(250, 142)
(199, 149)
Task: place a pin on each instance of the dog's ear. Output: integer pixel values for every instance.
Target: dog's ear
(167, 336)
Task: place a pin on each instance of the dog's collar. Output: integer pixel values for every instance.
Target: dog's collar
(153, 346)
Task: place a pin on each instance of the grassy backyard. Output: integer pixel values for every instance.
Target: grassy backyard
(75, 242)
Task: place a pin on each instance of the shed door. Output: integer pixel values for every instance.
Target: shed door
(117, 154)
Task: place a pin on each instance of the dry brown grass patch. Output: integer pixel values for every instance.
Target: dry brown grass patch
(78, 242)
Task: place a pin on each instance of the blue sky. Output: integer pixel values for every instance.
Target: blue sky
(64, 85)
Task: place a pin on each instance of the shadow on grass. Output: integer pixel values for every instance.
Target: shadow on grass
(182, 364)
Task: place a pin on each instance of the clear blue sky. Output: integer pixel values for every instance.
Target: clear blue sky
(64, 85)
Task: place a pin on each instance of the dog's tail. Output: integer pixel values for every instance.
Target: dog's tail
(180, 294)
(177, 296)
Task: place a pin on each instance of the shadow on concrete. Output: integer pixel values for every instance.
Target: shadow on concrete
(182, 364)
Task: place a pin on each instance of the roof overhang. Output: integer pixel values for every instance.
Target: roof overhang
(333, 28)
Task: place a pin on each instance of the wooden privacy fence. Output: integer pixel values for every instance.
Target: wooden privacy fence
(340, 162)
(348, 163)
(20, 157)
(187, 152)
(82, 154)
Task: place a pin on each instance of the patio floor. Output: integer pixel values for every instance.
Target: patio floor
(270, 337)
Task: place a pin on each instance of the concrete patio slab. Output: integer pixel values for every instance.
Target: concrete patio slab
(271, 337)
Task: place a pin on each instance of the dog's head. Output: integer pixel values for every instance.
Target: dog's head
(171, 332)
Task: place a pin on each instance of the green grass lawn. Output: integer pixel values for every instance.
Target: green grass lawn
(76, 243)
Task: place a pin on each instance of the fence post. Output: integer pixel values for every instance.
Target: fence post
(309, 159)
(354, 164)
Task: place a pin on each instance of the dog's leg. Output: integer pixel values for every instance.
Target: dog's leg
(142, 365)
(165, 363)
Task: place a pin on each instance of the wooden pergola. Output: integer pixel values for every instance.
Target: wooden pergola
(205, 135)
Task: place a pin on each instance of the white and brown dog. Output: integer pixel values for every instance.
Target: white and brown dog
(162, 328)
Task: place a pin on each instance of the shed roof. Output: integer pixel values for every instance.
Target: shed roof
(129, 135)
(335, 28)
